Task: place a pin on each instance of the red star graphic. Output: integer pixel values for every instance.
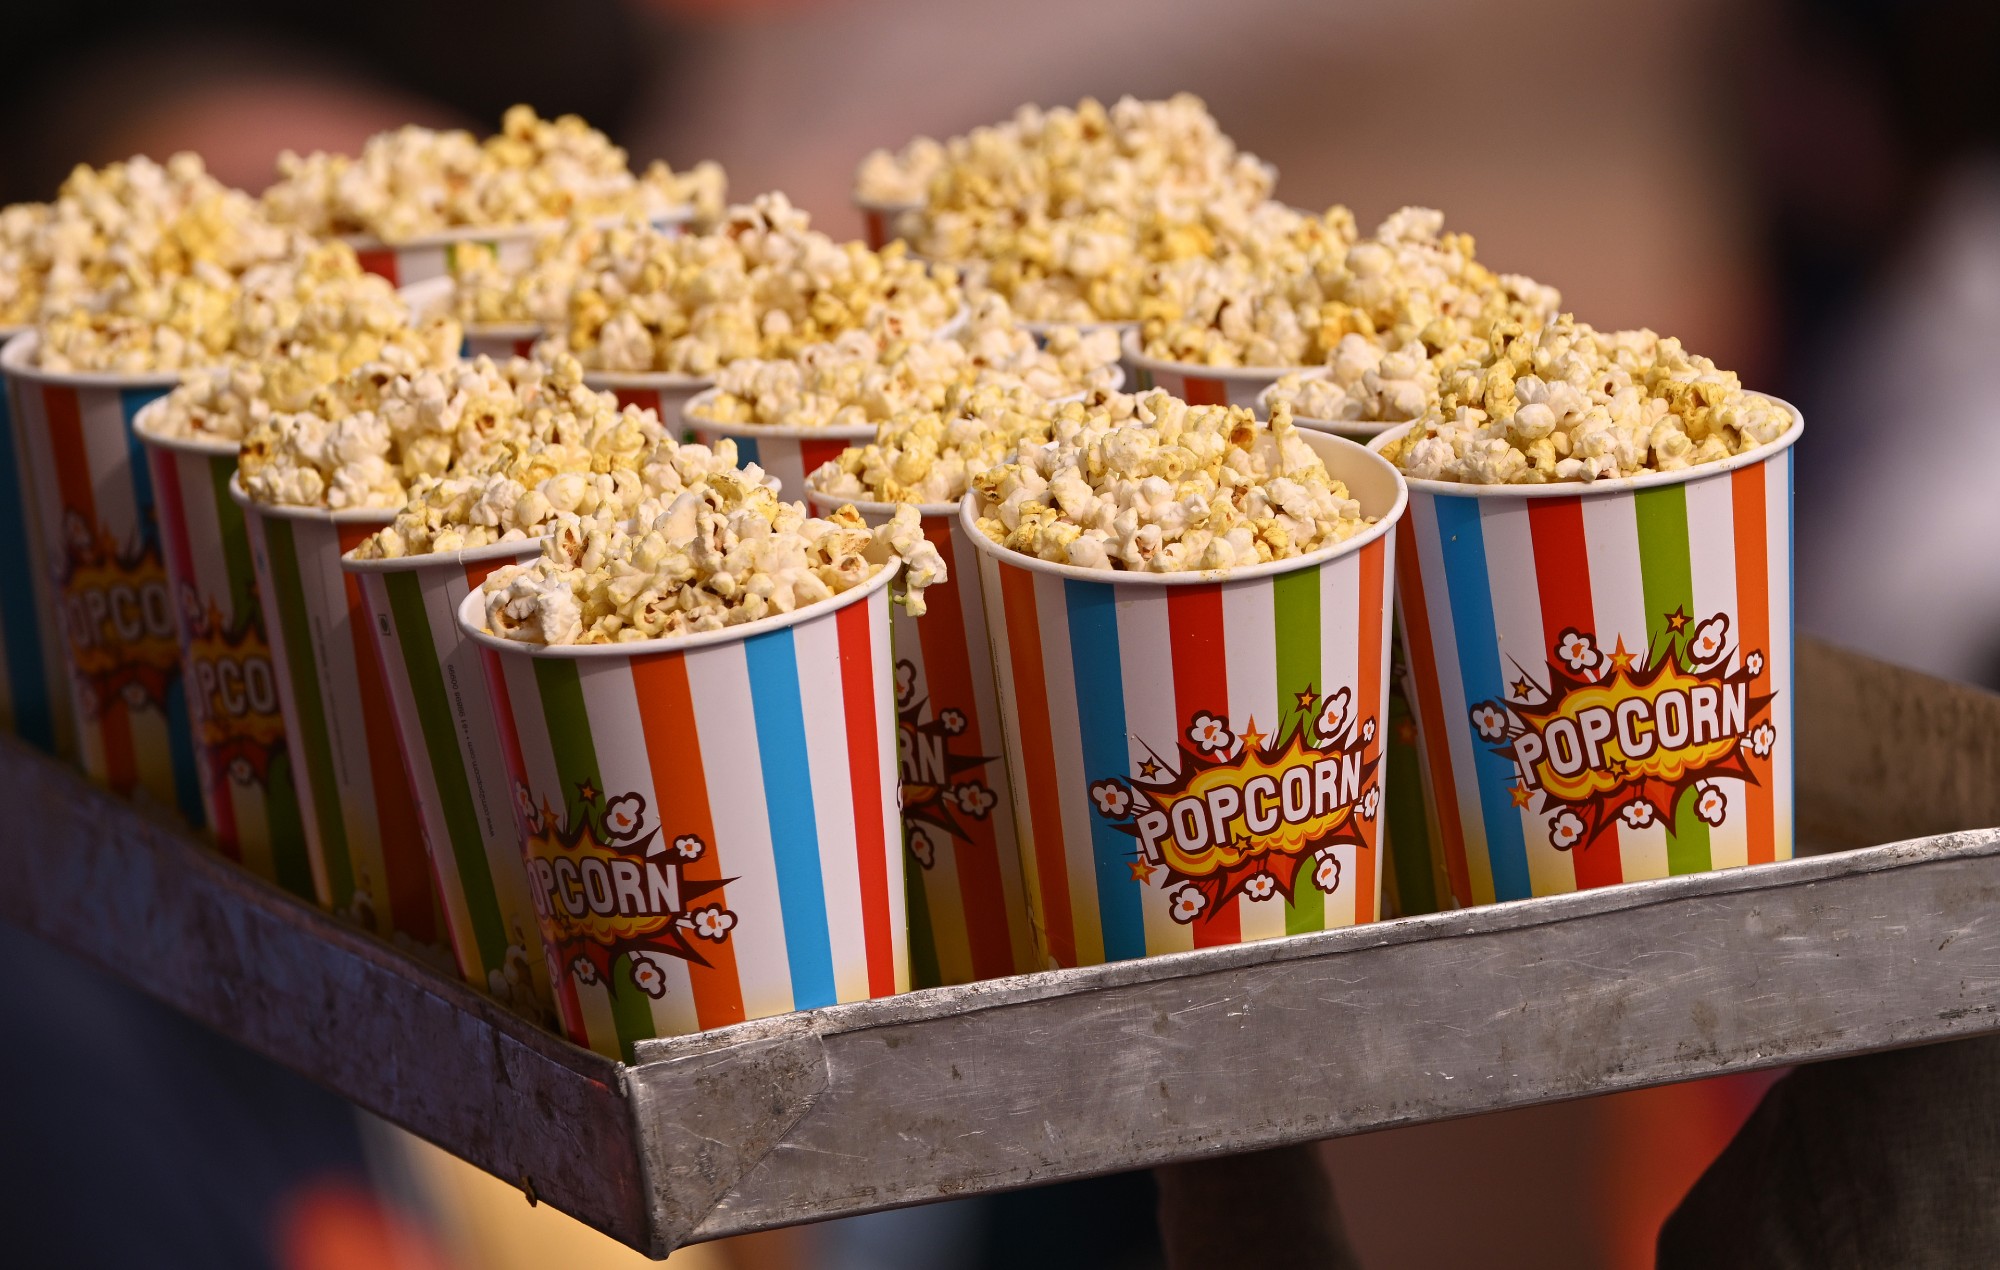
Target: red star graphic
(1406, 732)
(1307, 699)
(1523, 690)
(1519, 793)
(1677, 619)
(1149, 770)
(1141, 871)
(1252, 738)
(1620, 659)
(586, 792)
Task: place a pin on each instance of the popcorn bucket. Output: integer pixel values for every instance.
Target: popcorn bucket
(1361, 430)
(1602, 673)
(968, 907)
(663, 392)
(709, 821)
(1040, 330)
(93, 498)
(249, 787)
(786, 452)
(882, 221)
(1196, 384)
(450, 744)
(501, 340)
(363, 835)
(435, 255)
(1197, 757)
(34, 686)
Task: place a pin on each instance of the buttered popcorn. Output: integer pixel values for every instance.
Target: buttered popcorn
(368, 437)
(299, 325)
(1173, 488)
(765, 284)
(416, 181)
(716, 555)
(867, 377)
(902, 176)
(1567, 403)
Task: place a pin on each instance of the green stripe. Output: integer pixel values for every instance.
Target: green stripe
(288, 828)
(924, 969)
(1295, 616)
(235, 542)
(631, 1008)
(1407, 836)
(318, 754)
(454, 791)
(1665, 562)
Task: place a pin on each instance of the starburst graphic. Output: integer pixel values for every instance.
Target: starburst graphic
(118, 618)
(944, 786)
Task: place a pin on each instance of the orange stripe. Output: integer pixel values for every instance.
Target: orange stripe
(1753, 628)
(1201, 390)
(644, 398)
(1201, 686)
(412, 895)
(948, 673)
(1368, 696)
(1038, 761)
(1430, 721)
(673, 748)
(856, 626)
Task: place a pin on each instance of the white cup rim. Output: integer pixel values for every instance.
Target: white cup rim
(679, 214)
(206, 447)
(1129, 343)
(504, 549)
(821, 502)
(14, 361)
(376, 516)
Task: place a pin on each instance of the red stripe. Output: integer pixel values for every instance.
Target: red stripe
(1038, 761)
(171, 511)
(412, 895)
(1200, 390)
(380, 261)
(1753, 627)
(1368, 695)
(680, 783)
(1562, 574)
(948, 673)
(568, 1007)
(524, 347)
(644, 398)
(858, 645)
(1430, 719)
(875, 229)
(1201, 686)
(814, 453)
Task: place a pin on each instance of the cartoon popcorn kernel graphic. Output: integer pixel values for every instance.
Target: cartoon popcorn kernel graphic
(1211, 734)
(1577, 651)
(1638, 813)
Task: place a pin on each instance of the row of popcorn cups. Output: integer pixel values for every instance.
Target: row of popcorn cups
(34, 686)
(429, 256)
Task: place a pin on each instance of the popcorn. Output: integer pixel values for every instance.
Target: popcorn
(1172, 488)
(716, 555)
(1567, 403)
(901, 177)
(764, 285)
(298, 326)
(1067, 207)
(368, 438)
(22, 234)
(416, 181)
(863, 378)
(1363, 382)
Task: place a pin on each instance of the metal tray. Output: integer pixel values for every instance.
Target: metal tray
(958, 1091)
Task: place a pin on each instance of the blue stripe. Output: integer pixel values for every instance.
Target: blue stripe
(788, 802)
(1100, 710)
(20, 632)
(187, 781)
(746, 451)
(131, 401)
(1463, 546)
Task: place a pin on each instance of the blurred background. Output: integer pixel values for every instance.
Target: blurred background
(1806, 190)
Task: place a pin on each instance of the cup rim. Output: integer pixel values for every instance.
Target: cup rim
(472, 624)
(678, 214)
(1616, 485)
(821, 502)
(1129, 345)
(607, 380)
(1041, 328)
(14, 361)
(441, 559)
(885, 206)
(969, 522)
(376, 516)
(206, 447)
(504, 330)
(690, 415)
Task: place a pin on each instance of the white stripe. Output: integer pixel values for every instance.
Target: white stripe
(1072, 792)
(600, 1025)
(1711, 516)
(283, 669)
(1250, 648)
(204, 535)
(1451, 696)
(1779, 655)
(1152, 730)
(618, 737)
(110, 452)
(893, 856)
(1380, 826)
(784, 458)
(816, 650)
(1513, 588)
(1618, 599)
(719, 685)
(968, 581)
(1340, 668)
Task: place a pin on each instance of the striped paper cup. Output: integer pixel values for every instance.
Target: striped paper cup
(883, 220)
(1196, 384)
(709, 821)
(786, 452)
(1361, 430)
(435, 255)
(34, 686)
(968, 907)
(451, 751)
(1602, 673)
(1155, 722)
(248, 785)
(363, 834)
(93, 498)
(663, 392)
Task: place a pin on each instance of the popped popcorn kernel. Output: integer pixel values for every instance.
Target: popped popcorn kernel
(1168, 488)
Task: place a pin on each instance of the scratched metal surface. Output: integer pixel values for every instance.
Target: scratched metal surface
(144, 902)
(1048, 1076)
